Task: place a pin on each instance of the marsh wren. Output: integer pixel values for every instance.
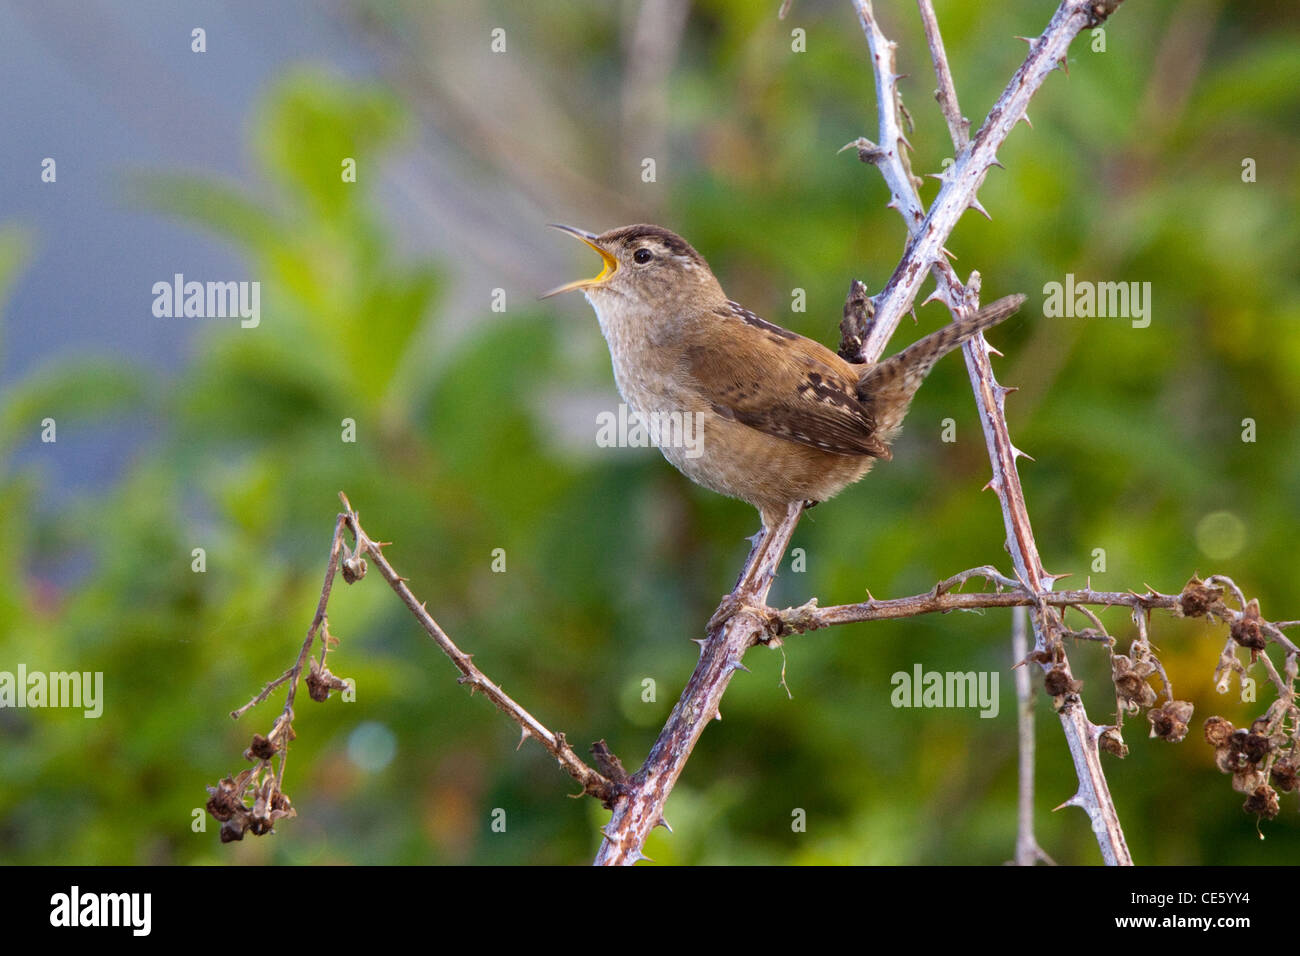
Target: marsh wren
(784, 419)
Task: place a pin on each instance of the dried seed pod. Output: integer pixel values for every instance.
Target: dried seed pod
(224, 800)
(1246, 629)
(1170, 720)
(232, 830)
(1248, 781)
(1285, 772)
(1112, 742)
(1230, 758)
(1134, 689)
(1217, 731)
(1199, 598)
(1057, 682)
(1262, 802)
(1256, 747)
(261, 748)
(354, 568)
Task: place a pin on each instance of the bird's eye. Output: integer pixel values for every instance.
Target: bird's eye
(642, 256)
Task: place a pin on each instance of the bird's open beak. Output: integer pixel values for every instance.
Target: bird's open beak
(611, 263)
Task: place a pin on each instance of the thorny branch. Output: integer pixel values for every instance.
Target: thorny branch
(943, 598)
(228, 799)
(592, 782)
(925, 253)
(640, 809)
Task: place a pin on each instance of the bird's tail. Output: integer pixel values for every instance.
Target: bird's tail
(887, 387)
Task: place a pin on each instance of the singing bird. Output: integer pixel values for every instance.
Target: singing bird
(784, 418)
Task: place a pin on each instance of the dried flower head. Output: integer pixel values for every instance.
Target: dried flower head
(1169, 721)
(1262, 802)
(1217, 731)
(1246, 629)
(1199, 598)
(1058, 682)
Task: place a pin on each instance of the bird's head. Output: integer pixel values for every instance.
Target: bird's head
(647, 265)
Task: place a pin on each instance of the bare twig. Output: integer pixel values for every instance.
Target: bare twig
(1028, 852)
(946, 94)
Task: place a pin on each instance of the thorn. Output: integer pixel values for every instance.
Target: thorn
(993, 351)
(893, 204)
(996, 162)
(934, 296)
(992, 483)
(736, 665)
(700, 641)
(1021, 454)
(870, 597)
(979, 208)
(1005, 390)
(1074, 801)
(663, 823)
(523, 735)
(1026, 120)
(605, 830)
(1029, 40)
(637, 856)
(717, 714)
(945, 251)
(1063, 66)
